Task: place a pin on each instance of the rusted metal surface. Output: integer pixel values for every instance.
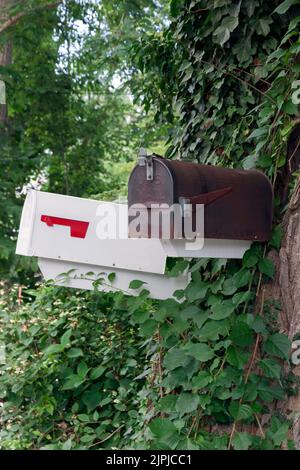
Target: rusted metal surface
(238, 203)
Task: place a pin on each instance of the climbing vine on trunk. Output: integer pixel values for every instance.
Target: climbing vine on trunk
(229, 82)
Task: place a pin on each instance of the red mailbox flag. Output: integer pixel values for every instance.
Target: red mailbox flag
(78, 227)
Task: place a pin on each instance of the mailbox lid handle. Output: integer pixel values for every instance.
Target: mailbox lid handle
(206, 198)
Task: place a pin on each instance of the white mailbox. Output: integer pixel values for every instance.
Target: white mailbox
(88, 240)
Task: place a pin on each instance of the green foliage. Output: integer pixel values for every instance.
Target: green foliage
(225, 66)
(73, 129)
(108, 371)
(71, 372)
(229, 67)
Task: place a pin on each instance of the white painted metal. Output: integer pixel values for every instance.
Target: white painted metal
(108, 251)
(210, 248)
(159, 286)
(36, 238)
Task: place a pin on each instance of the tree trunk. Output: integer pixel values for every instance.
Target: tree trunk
(286, 286)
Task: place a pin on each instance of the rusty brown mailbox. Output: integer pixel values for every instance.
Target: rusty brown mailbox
(237, 203)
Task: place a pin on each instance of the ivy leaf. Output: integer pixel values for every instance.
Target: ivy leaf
(213, 329)
(53, 349)
(65, 339)
(292, 109)
(201, 319)
(97, 372)
(201, 380)
(240, 279)
(264, 24)
(136, 284)
(201, 263)
(268, 393)
(240, 411)
(222, 310)
(217, 265)
(277, 235)
(249, 259)
(278, 345)
(178, 268)
(222, 33)
(266, 266)
(237, 358)
(188, 74)
(241, 334)
(167, 403)
(242, 441)
(199, 351)
(82, 369)
(278, 431)
(258, 325)
(73, 381)
(83, 417)
(271, 368)
(175, 358)
(67, 444)
(148, 327)
(91, 399)
(261, 131)
(187, 402)
(216, 286)
(111, 277)
(191, 312)
(250, 162)
(283, 7)
(196, 291)
(74, 352)
(162, 428)
(241, 298)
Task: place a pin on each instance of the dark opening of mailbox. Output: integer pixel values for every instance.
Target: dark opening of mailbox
(238, 204)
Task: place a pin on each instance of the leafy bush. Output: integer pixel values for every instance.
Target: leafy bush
(70, 376)
(105, 370)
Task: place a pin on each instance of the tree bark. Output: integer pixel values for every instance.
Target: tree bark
(285, 288)
(286, 285)
(289, 293)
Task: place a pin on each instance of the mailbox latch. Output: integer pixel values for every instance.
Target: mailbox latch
(147, 161)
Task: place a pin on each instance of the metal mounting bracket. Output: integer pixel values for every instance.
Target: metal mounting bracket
(146, 160)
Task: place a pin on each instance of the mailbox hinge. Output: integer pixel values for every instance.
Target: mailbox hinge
(146, 160)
